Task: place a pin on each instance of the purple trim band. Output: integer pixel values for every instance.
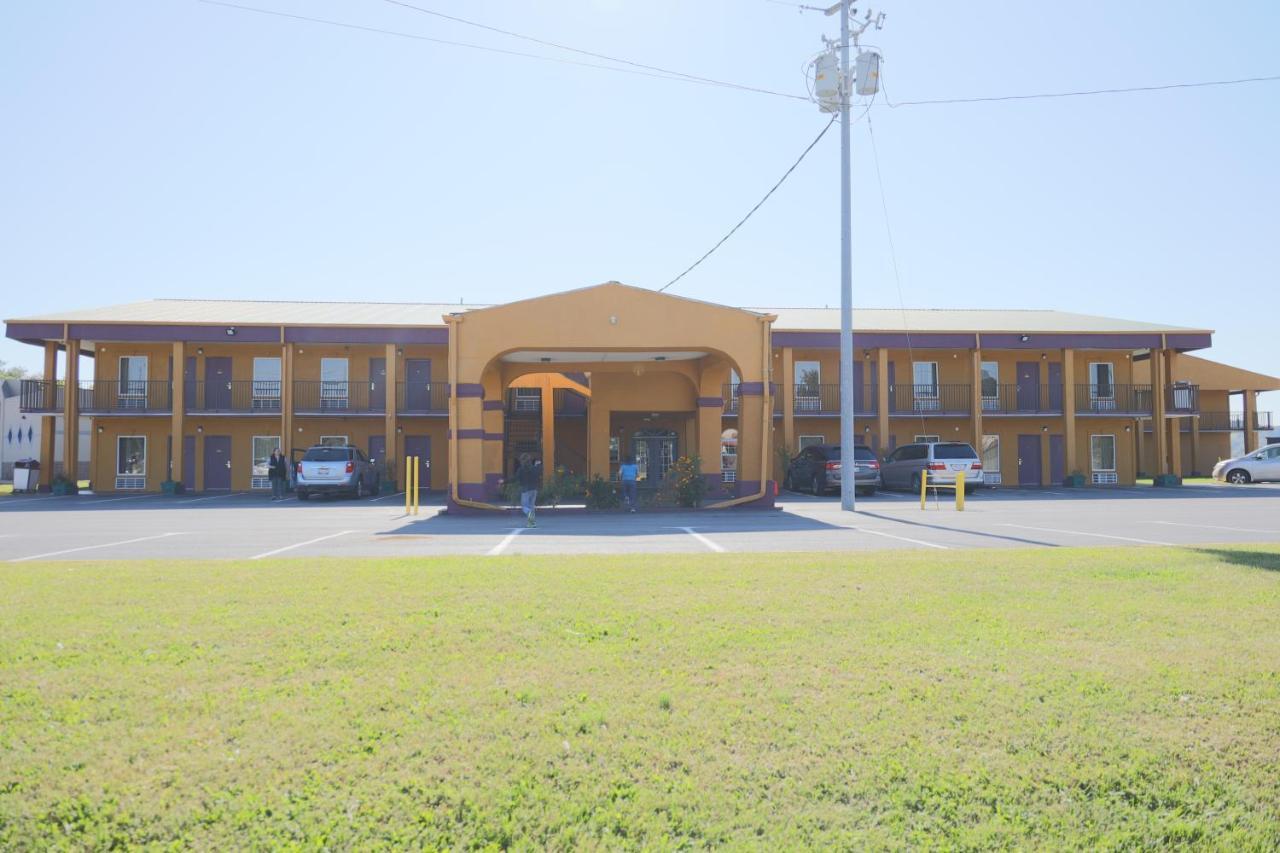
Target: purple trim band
(494, 436)
(168, 333)
(469, 389)
(747, 487)
(751, 389)
(34, 331)
(464, 434)
(711, 402)
(1070, 341)
(366, 335)
(491, 406)
(1185, 342)
(876, 340)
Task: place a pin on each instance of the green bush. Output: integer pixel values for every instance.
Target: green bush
(601, 494)
(685, 478)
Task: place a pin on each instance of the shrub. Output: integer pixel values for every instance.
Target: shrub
(688, 486)
(601, 494)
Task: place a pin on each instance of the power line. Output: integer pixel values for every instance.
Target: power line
(761, 202)
(485, 48)
(593, 54)
(1114, 91)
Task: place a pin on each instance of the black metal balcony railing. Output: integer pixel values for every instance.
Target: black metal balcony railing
(129, 396)
(41, 395)
(422, 398)
(1113, 399)
(233, 396)
(311, 397)
(930, 399)
(1022, 399)
(825, 400)
(732, 399)
(1228, 421)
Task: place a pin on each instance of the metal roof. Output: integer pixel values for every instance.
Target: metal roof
(235, 312)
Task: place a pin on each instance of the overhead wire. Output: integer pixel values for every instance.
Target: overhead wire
(1081, 93)
(675, 77)
(761, 202)
(560, 46)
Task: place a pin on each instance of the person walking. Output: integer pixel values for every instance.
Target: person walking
(629, 474)
(278, 472)
(529, 476)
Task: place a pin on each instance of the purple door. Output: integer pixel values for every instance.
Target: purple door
(189, 383)
(858, 402)
(1028, 386)
(189, 462)
(893, 403)
(417, 375)
(217, 463)
(377, 384)
(378, 451)
(420, 446)
(1029, 460)
(217, 385)
(1057, 460)
(1055, 386)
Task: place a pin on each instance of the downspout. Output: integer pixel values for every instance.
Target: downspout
(766, 417)
(455, 322)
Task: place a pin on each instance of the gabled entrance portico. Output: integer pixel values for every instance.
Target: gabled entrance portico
(649, 369)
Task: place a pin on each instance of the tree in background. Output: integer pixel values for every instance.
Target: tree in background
(16, 372)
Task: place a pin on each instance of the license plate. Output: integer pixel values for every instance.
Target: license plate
(959, 467)
(322, 471)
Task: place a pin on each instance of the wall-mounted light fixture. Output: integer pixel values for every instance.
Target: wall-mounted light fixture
(399, 429)
(1044, 357)
(613, 319)
(1024, 338)
(1128, 428)
(199, 429)
(299, 429)
(199, 350)
(866, 429)
(231, 331)
(1044, 429)
(400, 352)
(99, 430)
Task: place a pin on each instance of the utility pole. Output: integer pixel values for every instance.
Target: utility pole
(848, 490)
(842, 90)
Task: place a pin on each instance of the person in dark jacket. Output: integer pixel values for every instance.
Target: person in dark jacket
(529, 476)
(278, 472)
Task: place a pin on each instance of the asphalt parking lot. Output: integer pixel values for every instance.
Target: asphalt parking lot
(250, 526)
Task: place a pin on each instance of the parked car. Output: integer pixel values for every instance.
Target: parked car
(819, 468)
(943, 460)
(328, 469)
(1258, 466)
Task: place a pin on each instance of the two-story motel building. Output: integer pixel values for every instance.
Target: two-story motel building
(200, 391)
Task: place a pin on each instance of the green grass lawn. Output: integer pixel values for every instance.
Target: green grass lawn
(1125, 698)
(1186, 481)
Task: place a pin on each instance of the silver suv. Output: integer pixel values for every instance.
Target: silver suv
(943, 460)
(1261, 464)
(328, 469)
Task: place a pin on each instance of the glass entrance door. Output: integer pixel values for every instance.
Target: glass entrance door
(655, 452)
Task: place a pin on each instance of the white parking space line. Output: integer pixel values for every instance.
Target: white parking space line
(94, 501)
(300, 544)
(496, 550)
(384, 497)
(901, 538)
(92, 547)
(704, 540)
(1088, 533)
(18, 503)
(207, 498)
(1218, 527)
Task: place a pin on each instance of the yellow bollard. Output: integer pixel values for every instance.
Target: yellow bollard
(924, 487)
(960, 492)
(408, 483)
(417, 475)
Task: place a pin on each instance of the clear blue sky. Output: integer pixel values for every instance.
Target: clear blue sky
(172, 148)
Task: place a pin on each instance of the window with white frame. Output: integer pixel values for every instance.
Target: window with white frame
(266, 383)
(262, 448)
(1102, 378)
(926, 439)
(333, 441)
(808, 390)
(131, 462)
(729, 456)
(991, 459)
(924, 380)
(810, 441)
(133, 377)
(334, 373)
(527, 400)
(990, 385)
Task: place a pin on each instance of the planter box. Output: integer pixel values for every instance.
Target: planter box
(387, 487)
(172, 487)
(1165, 480)
(1073, 481)
(64, 488)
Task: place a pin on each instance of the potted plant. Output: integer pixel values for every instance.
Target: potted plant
(1074, 480)
(601, 494)
(64, 485)
(172, 487)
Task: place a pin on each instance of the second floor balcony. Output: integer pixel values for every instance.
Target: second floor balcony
(936, 399)
(1022, 399)
(233, 396)
(824, 400)
(1113, 399)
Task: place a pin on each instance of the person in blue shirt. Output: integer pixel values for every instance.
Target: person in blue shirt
(629, 473)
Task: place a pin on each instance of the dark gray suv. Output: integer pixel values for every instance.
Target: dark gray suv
(819, 468)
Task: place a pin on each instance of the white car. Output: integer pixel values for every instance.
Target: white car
(1258, 466)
